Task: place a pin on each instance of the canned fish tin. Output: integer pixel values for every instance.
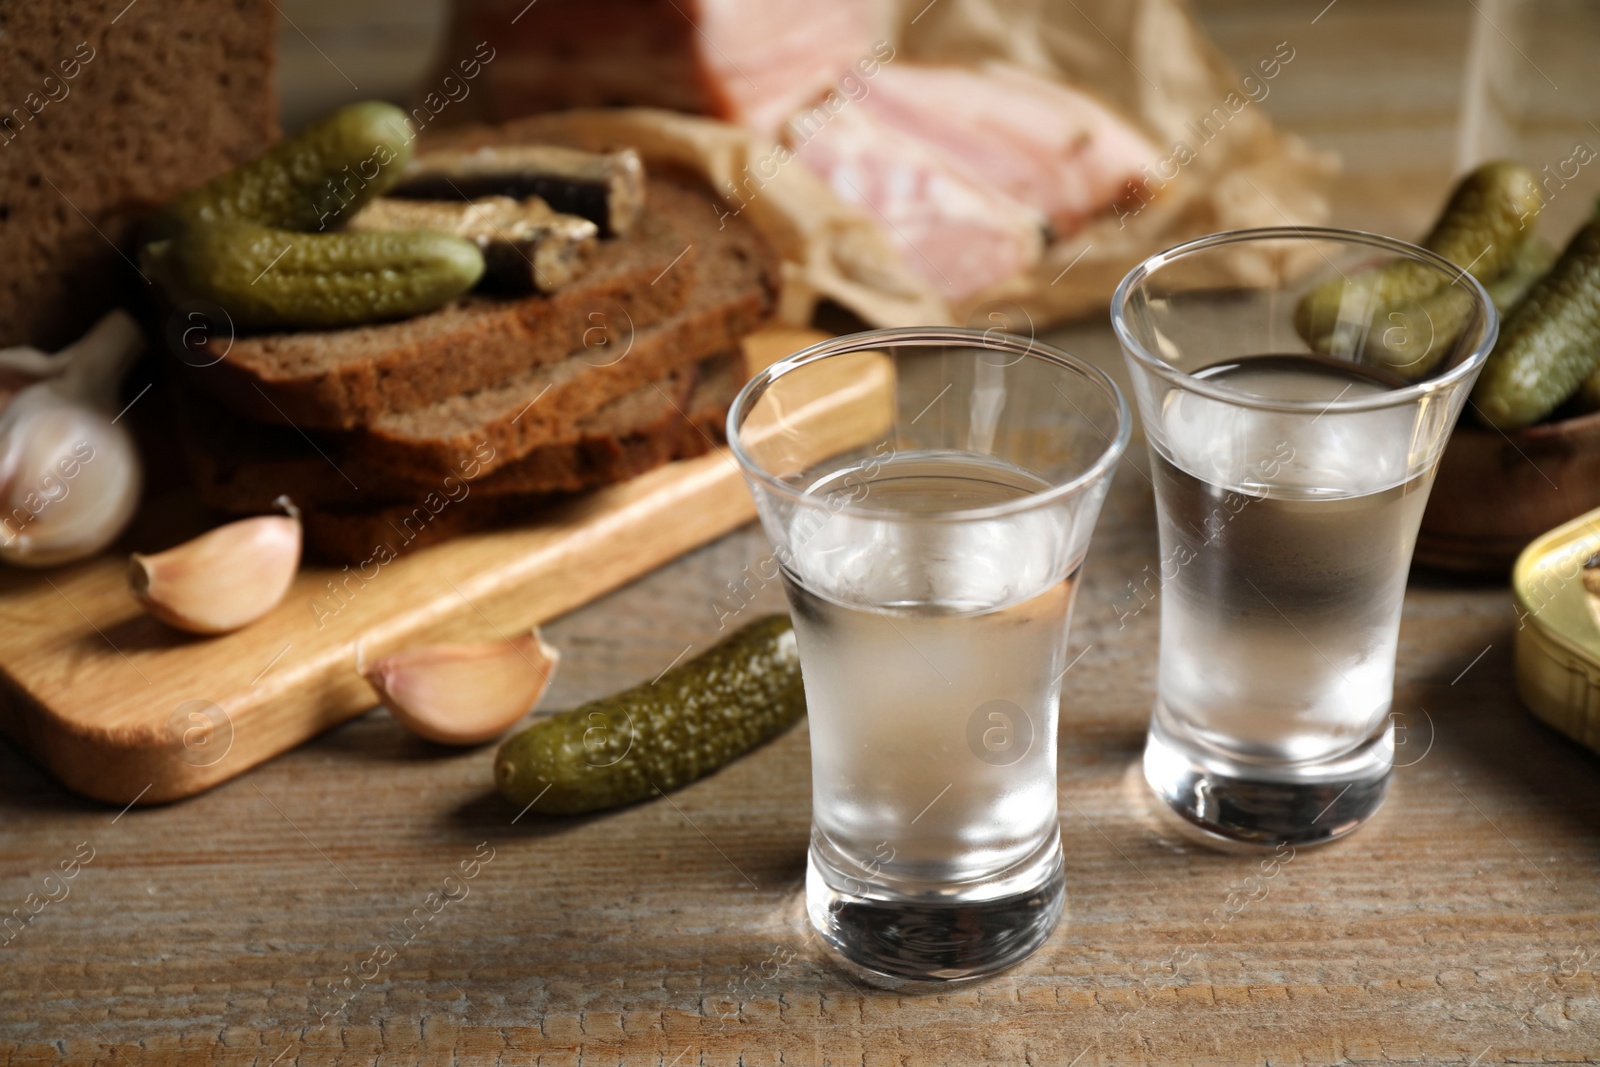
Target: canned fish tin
(1558, 637)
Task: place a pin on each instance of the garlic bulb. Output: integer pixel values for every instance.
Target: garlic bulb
(464, 694)
(69, 474)
(224, 579)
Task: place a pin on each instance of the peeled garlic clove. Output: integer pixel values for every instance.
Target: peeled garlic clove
(464, 694)
(69, 479)
(224, 579)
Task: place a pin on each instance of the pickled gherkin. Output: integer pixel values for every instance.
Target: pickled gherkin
(660, 736)
(1488, 217)
(1550, 343)
(259, 239)
(312, 182)
(268, 277)
(1480, 230)
(1412, 338)
(1534, 258)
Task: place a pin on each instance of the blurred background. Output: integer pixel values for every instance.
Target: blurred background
(1407, 92)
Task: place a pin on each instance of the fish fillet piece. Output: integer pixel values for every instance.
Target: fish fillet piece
(1042, 143)
(962, 234)
(748, 61)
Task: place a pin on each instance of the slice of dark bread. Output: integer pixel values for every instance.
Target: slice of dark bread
(241, 468)
(370, 537)
(108, 109)
(340, 379)
(643, 429)
(735, 288)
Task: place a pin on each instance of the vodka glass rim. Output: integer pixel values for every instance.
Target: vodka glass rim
(992, 340)
(1465, 368)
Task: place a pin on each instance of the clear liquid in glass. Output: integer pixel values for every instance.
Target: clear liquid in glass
(933, 657)
(1285, 544)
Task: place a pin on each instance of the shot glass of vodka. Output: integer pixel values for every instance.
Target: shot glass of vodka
(1296, 388)
(930, 539)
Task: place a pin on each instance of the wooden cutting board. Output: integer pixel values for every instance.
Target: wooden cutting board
(121, 708)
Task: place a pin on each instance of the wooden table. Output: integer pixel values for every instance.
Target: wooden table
(1461, 926)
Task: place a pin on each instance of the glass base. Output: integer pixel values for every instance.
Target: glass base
(1249, 803)
(929, 939)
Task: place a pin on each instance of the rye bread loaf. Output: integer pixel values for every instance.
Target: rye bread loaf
(735, 283)
(370, 537)
(344, 378)
(107, 110)
(242, 468)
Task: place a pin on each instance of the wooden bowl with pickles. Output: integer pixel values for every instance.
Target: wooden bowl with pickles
(1496, 492)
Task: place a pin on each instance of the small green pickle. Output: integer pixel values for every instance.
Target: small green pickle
(270, 278)
(1412, 338)
(660, 736)
(312, 182)
(1483, 225)
(260, 240)
(1534, 258)
(1549, 344)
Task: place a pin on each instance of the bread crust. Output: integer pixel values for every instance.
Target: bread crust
(358, 535)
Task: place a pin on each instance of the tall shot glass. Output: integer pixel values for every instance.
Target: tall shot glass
(1296, 406)
(930, 568)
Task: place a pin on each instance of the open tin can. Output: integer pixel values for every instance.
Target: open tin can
(1558, 630)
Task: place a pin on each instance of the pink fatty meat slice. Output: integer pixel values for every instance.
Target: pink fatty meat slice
(962, 234)
(1041, 142)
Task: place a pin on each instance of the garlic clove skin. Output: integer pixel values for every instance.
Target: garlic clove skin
(69, 479)
(464, 694)
(222, 580)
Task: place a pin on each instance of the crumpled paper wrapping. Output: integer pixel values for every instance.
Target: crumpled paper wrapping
(1147, 58)
(1153, 62)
